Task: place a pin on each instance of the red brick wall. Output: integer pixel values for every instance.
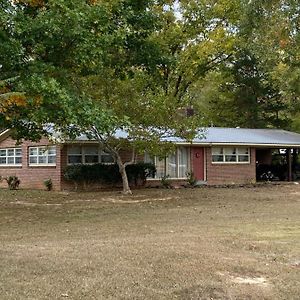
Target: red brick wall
(32, 176)
(230, 173)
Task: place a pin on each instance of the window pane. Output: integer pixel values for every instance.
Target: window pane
(148, 158)
(74, 159)
(74, 150)
(107, 158)
(230, 158)
(230, 150)
(32, 151)
(217, 158)
(2, 160)
(18, 152)
(171, 166)
(10, 160)
(183, 155)
(52, 150)
(51, 159)
(90, 159)
(91, 150)
(217, 151)
(10, 152)
(33, 159)
(3, 152)
(18, 160)
(42, 159)
(160, 168)
(243, 158)
(243, 151)
(42, 151)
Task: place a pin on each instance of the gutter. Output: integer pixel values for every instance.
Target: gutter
(238, 144)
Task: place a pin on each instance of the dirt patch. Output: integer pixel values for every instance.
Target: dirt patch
(25, 203)
(251, 280)
(126, 200)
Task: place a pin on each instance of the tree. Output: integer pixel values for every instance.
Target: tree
(104, 66)
(109, 65)
(241, 94)
(256, 86)
(271, 33)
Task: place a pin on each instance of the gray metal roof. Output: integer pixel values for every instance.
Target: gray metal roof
(224, 136)
(234, 136)
(244, 136)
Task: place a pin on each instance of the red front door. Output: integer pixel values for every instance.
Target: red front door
(197, 160)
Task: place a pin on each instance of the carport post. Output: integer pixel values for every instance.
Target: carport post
(289, 161)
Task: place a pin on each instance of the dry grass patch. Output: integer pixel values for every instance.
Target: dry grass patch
(240, 243)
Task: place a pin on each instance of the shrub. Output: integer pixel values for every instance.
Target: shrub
(48, 184)
(109, 174)
(165, 182)
(13, 182)
(191, 179)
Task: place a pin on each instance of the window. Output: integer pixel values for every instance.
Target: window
(88, 155)
(11, 157)
(42, 155)
(230, 155)
(176, 165)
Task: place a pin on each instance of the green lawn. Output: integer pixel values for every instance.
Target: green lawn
(208, 243)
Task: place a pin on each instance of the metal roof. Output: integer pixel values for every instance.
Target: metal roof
(245, 136)
(223, 136)
(234, 136)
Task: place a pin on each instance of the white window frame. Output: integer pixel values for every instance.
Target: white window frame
(45, 154)
(155, 159)
(237, 155)
(83, 154)
(14, 164)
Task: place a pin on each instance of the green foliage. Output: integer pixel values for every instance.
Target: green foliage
(136, 65)
(109, 174)
(48, 184)
(13, 182)
(242, 94)
(166, 182)
(191, 179)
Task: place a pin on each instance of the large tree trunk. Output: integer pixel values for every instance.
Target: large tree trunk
(122, 169)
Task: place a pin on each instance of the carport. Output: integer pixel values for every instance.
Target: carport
(277, 164)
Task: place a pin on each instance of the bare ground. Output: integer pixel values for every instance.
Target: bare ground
(208, 243)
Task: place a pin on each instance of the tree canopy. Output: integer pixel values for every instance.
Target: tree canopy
(102, 66)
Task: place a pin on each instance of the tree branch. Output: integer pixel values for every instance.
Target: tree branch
(133, 158)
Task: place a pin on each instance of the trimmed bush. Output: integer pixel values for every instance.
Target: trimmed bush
(48, 184)
(109, 174)
(13, 182)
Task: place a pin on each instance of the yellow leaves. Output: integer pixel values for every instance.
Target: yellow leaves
(12, 100)
(283, 43)
(4, 89)
(93, 2)
(32, 3)
(17, 100)
(38, 100)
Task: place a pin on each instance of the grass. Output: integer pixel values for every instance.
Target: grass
(210, 243)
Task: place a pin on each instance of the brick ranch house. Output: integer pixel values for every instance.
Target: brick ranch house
(222, 156)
